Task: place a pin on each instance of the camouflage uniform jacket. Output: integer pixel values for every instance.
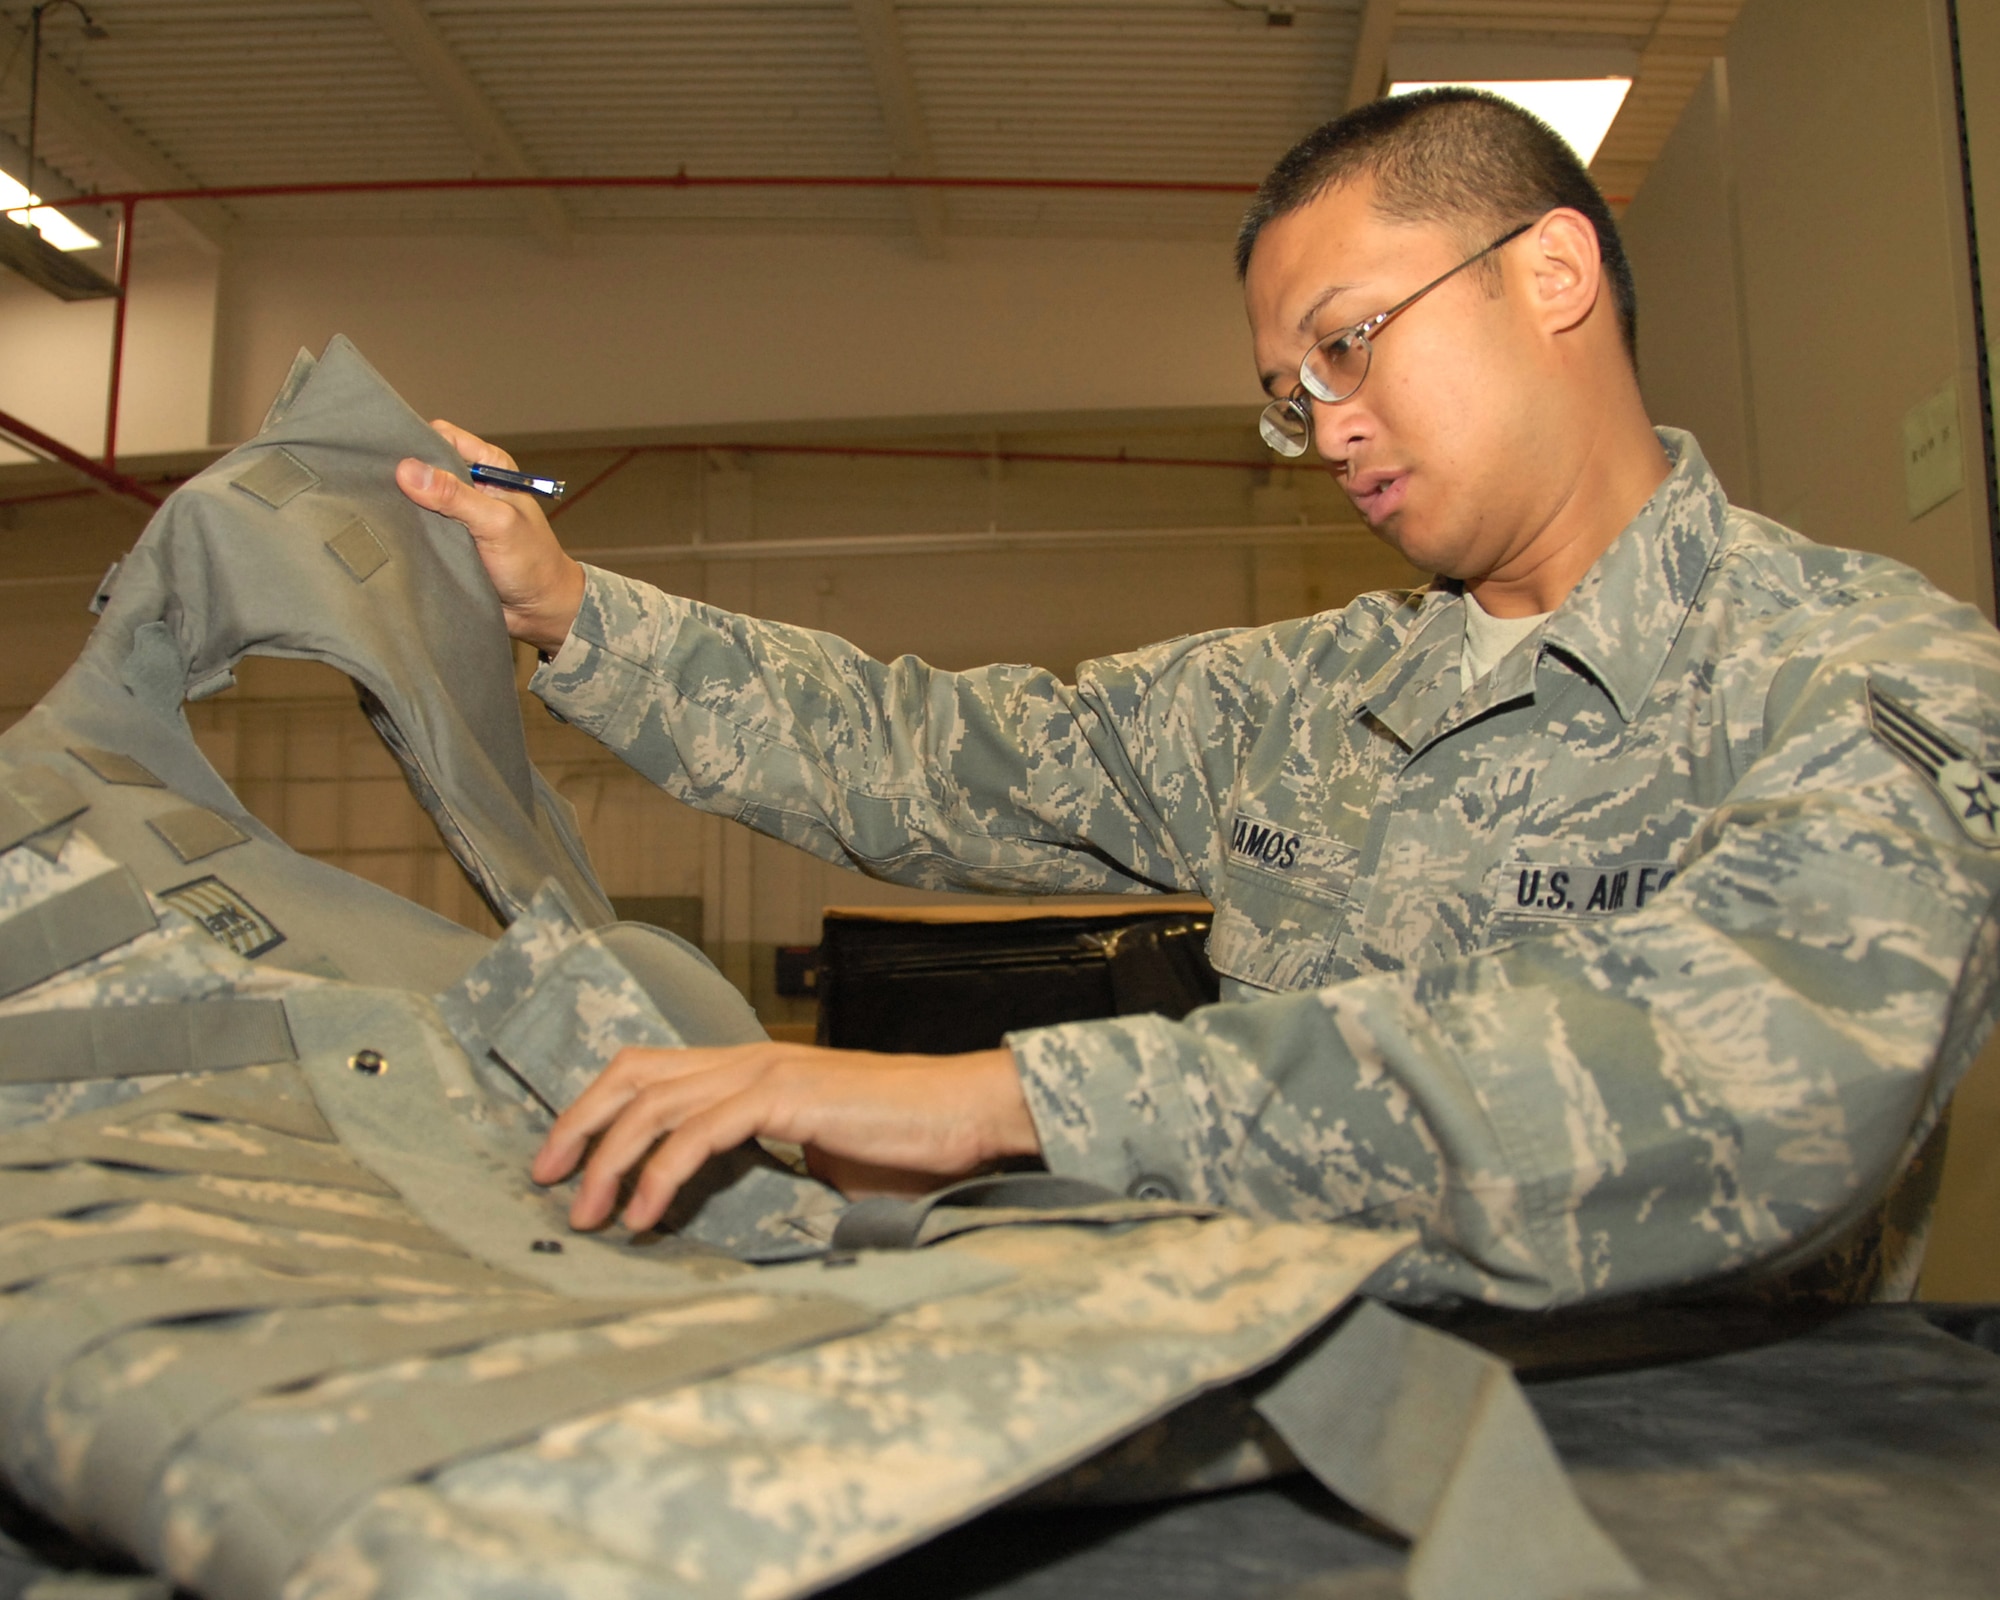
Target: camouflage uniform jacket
(1651, 957)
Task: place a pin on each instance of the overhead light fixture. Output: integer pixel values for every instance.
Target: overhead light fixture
(36, 240)
(1580, 109)
(67, 277)
(53, 225)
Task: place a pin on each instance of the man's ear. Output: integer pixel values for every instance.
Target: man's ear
(1566, 272)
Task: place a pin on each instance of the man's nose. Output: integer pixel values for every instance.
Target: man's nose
(1339, 429)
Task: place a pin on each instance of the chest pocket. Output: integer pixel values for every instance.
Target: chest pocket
(1279, 904)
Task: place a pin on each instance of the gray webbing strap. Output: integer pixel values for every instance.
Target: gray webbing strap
(45, 1333)
(300, 1483)
(213, 1372)
(1433, 1438)
(34, 800)
(29, 1260)
(272, 1096)
(56, 934)
(96, 1586)
(254, 1153)
(33, 1193)
(882, 1223)
(137, 1041)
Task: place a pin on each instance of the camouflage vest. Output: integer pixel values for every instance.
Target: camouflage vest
(280, 1309)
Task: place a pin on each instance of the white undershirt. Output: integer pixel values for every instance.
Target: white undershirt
(1488, 639)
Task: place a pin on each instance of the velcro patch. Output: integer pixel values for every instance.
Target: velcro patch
(192, 832)
(114, 767)
(1971, 793)
(1567, 891)
(357, 548)
(225, 916)
(276, 479)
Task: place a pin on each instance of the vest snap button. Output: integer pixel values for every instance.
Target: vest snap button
(547, 1247)
(372, 1062)
(1150, 1186)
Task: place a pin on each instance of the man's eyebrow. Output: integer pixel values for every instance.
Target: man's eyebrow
(1332, 292)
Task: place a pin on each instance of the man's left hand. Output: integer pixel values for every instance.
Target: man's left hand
(896, 1121)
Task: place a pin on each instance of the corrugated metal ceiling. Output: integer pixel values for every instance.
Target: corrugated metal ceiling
(278, 91)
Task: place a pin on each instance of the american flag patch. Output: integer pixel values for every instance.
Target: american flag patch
(225, 916)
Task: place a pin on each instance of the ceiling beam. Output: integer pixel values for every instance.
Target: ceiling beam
(495, 150)
(910, 151)
(1687, 36)
(109, 138)
(1371, 52)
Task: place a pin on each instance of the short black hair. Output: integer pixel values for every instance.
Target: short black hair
(1462, 157)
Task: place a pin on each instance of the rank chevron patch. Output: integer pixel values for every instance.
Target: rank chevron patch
(1969, 792)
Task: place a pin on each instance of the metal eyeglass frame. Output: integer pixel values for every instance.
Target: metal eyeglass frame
(1287, 424)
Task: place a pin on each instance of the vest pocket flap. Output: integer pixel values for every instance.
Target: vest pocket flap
(1269, 950)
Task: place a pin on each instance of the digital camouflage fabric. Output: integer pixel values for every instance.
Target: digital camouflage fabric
(281, 1313)
(1648, 961)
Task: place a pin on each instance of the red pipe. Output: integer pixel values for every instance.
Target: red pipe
(118, 334)
(674, 180)
(32, 439)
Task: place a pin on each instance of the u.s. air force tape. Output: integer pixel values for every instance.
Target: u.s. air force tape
(176, 1036)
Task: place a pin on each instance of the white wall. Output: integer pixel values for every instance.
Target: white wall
(55, 357)
(665, 331)
(637, 332)
(1680, 232)
(1803, 282)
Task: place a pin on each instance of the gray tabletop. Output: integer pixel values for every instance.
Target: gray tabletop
(1856, 1459)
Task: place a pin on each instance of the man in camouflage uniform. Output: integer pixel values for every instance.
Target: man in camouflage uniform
(1617, 910)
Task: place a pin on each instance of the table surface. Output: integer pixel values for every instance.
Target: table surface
(1856, 1460)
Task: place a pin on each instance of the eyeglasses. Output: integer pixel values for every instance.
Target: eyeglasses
(1335, 368)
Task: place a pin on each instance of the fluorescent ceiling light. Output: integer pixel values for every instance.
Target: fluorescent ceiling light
(54, 225)
(1580, 109)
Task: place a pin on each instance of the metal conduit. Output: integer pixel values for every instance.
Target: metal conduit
(19, 433)
(1278, 535)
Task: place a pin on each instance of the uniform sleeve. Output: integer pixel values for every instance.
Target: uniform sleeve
(1001, 779)
(1727, 1078)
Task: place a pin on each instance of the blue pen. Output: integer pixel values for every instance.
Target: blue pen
(525, 482)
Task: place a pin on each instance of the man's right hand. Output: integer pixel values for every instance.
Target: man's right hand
(540, 587)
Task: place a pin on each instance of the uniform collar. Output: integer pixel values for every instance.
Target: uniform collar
(1617, 625)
